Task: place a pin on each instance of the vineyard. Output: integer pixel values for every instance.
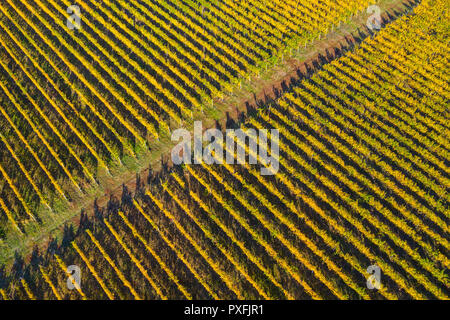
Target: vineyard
(364, 152)
(78, 106)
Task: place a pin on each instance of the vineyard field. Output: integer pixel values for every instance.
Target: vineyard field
(364, 152)
(79, 107)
